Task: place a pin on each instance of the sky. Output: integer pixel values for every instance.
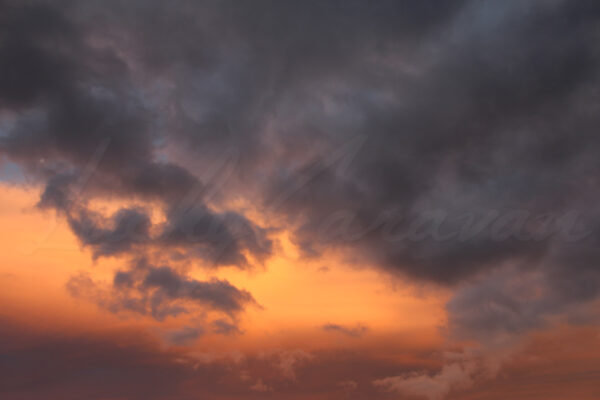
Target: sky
(316, 200)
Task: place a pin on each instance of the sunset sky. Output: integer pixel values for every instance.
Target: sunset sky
(300, 200)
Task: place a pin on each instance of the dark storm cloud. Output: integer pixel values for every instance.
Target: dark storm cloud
(85, 128)
(75, 114)
(232, 65)
(370, 51)
(494, 120)
(28, 68)
(162, 181)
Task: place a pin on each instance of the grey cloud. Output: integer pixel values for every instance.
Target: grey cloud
(458, 114)
(161, 291)
(199, 233)
(222, 326)
(29, 68)
(351, 331)
(126, 229)
(218, 294)
(472, 131)
(219, 238)
(184, 336)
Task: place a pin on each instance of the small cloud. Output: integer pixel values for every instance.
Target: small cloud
(324, 269)
(355, 331)
(259, 386)
(287, 361)
(348, 385)
(184, 336)
(245, 376)
(436, 387)
(224, 327)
